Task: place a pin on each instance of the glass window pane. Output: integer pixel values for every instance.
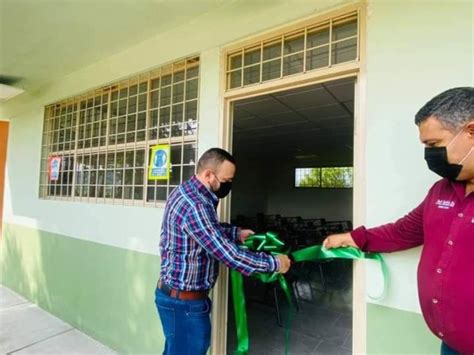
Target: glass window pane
(235, 79)
(129, 177)
(138, 193)
(189, 153)
(252, 74)
(336, 177)
(344, 30)
(178, 76)
(177, 114)
(307, 177)
(161, 193)
(139, 176)
(133, 90)
(140, 158)
(142, 102)
(293, 64)
(191, 89)
(344, 51)
(165, 98)
(176, 154)
(143, 86)
(178, 92)
(271, 70)
(154, 99)
(317, 58)
(252, 56)
(165, 116)
(127, 192)
(294, 43)
(235, 61)
(118, 192)
(141, 121)
(188, 172)
(192, 72)
(272, 50)
(317, 37)
(155, 83)
(177, 130)
(175, 175)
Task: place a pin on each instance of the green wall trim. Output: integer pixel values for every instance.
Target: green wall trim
(393, 331)
(106, 292)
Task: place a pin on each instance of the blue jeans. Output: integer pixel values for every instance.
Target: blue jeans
(186, 324)
(447, 350)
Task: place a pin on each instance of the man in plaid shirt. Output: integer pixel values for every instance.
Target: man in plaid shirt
(193, 241)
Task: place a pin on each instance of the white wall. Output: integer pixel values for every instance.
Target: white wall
(268, 186)
(136, 228)
(416, 49)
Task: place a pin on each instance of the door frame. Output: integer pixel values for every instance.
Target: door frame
(356, 70)
(4, 132)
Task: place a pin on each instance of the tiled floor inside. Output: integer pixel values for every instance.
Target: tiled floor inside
(323, 324)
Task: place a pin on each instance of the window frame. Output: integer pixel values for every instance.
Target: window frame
(184, 73)
(320, 186)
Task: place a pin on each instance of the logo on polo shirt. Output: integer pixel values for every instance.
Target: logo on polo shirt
(445, 204)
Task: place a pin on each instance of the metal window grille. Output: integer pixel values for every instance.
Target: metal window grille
(310, 48)
(104, 137)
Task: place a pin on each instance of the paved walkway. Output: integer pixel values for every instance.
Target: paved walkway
(27, 329)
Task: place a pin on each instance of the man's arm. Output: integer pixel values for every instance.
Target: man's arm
(405, 233)
(202, 225)
(231, 232)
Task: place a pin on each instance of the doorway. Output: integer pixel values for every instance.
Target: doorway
(295, 158)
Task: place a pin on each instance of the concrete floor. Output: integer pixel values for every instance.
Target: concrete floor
(27, 329)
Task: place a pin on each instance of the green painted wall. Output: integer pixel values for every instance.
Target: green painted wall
(392, 331)
(105, 291)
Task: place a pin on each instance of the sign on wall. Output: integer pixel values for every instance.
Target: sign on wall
(159, 168)
(54, 165)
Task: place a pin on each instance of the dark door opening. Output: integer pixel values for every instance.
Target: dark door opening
(294, 152)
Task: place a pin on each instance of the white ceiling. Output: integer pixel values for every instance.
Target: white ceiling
(308, 125)
(41, 40)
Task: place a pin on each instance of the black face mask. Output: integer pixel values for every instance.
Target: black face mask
(437, 159)
(224, 189)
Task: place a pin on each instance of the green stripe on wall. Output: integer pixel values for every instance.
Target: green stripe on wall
(392, 331)
(105, 291)
(108, 293)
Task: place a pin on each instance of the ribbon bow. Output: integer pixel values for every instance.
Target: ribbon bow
(269, 242)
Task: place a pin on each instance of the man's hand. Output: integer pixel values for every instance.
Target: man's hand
(285, 263)
(244, 234)
(339, 240)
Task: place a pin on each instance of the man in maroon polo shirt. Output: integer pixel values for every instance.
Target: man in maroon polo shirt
(443, 223)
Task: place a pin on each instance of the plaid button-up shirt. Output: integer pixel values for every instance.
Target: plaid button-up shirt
(193, 241)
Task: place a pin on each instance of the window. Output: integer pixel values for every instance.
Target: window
(330, 177)
(103, 138)
(313, 47)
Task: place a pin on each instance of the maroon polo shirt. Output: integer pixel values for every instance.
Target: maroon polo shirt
(444, 224)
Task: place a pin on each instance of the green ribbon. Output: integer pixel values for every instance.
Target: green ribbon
(270, 243)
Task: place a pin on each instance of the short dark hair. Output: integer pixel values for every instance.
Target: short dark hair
(213, 158)
(453, 108)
